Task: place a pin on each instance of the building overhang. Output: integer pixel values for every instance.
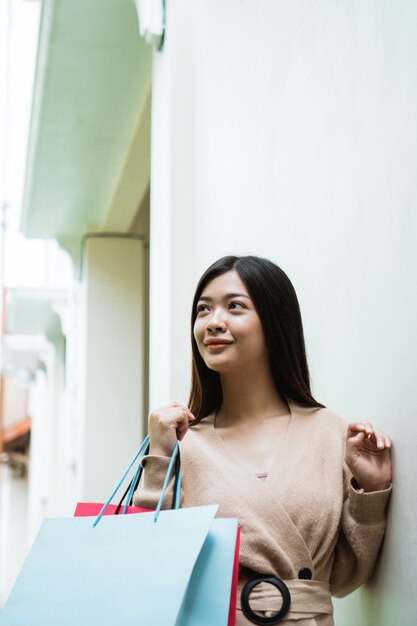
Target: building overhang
(89, 143)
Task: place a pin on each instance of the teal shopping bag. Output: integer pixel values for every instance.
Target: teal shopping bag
(169, 568)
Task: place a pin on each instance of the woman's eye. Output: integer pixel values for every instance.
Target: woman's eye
(201, 308)
(237, 305)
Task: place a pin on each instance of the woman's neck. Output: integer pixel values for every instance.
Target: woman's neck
(249, 395)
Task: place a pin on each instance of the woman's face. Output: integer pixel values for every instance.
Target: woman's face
(227, 328)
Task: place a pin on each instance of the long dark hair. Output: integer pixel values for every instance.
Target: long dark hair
(276, 303)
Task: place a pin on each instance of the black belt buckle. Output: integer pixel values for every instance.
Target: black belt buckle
(278, 584)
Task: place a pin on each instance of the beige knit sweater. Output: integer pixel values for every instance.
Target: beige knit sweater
(305, 515)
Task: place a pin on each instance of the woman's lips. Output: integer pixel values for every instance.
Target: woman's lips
(217, 346)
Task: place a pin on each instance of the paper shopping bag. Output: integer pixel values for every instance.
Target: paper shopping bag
(206, 587)
(88, 509)
(127, 570)
(162, 568)
(215, 555)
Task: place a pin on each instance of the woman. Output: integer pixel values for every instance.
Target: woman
(309, 491)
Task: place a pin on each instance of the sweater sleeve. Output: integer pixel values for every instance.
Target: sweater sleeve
(361, 532)
(154, 472)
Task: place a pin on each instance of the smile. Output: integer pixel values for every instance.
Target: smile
(217, 346)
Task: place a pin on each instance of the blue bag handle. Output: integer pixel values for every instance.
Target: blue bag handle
(177, 487)
(134, 483)
(130, 489)
(164, 487)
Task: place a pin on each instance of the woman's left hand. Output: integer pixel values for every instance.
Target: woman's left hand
(368, 456)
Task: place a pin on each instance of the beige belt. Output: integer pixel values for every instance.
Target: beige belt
(307, 596)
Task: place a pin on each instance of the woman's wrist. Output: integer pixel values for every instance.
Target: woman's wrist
(158, 450)
(369, 488)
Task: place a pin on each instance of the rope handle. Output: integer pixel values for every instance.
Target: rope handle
(165, 485)
(130, 490)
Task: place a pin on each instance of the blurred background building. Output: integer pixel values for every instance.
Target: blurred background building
(75, 163)
(130, 162)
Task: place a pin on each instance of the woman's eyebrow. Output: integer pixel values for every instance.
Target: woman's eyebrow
(228, 296)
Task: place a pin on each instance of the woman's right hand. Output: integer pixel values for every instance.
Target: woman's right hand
(166, 425)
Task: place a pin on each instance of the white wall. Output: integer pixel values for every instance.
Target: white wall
(110, 373)
(288, 130)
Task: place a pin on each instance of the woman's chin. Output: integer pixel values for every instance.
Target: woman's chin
(221, 366)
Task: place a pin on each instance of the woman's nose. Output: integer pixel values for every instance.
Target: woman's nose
(216, 322)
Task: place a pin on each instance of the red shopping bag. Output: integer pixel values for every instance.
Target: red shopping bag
(86, 509)
(93, 508)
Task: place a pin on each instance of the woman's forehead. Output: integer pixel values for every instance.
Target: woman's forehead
(227, 283)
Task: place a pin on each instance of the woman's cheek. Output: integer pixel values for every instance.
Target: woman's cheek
(197, 334)
(199, 338)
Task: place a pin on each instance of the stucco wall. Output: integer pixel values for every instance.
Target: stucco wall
(111, 363)
(288, 130)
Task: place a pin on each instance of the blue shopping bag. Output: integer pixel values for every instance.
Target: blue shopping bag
(163, 568)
